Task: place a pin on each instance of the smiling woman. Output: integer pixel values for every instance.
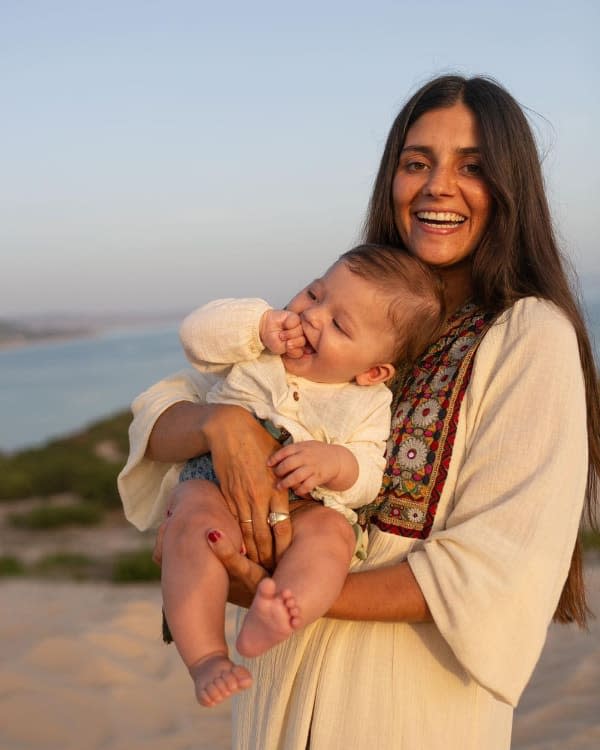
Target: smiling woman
(473, 538)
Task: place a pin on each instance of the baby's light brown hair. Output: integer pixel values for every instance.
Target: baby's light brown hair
(416, 308)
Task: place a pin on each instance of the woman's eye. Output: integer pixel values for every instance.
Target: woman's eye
(472, 169)
(338, 326)
(311, 294)
(415, 166)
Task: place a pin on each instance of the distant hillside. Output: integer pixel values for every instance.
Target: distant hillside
(15, 333)
(29, 329)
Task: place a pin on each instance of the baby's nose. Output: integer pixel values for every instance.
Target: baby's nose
(311, 315)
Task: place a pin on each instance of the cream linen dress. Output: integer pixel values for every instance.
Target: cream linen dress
(491, 570)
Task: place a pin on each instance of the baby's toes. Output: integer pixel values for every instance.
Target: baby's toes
(287, 598)
(242, 677)
(229, 683)
(221, 684)
(267, 588)
(214, 692)
(204, 698)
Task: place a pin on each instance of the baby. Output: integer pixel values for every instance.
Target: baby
(315, 374)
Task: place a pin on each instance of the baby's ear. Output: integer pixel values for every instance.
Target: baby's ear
(376, 374)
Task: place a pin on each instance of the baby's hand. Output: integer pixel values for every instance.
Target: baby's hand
(305, 465)
(281, 333)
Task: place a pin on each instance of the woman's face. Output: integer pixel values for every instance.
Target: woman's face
(441, 201)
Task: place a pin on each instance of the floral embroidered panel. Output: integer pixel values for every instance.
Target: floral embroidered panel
(425, 415)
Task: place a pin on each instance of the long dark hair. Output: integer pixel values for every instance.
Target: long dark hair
(518, 255)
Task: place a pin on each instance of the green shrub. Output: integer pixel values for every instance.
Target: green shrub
(15, 482)
(10, 566)
(57, 516)
(64, 565)
(96, 480)
(114, 428)
(135, 566)
(69, 465)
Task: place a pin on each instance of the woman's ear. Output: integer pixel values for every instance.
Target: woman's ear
(376, 374)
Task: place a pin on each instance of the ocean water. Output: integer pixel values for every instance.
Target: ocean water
(53, 389)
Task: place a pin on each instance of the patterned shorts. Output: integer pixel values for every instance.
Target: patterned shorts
(200, 467)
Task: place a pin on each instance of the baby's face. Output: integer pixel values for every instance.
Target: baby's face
(345, 322)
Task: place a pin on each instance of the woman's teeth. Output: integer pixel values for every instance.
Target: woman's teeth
(440, 218)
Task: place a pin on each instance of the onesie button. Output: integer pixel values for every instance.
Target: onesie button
(296, 396)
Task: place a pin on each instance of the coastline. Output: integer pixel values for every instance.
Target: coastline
(19, 333)
(22, 342)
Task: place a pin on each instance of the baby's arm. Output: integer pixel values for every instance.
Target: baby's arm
(223, 332)
(227, 331)
(308, 464)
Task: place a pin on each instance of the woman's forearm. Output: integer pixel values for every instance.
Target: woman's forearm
(179, 433)
(388, 594)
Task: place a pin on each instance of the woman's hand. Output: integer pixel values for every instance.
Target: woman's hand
(240, 448)
(244, 575)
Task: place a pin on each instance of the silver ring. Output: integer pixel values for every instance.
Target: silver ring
(248, 521)
(275, 517)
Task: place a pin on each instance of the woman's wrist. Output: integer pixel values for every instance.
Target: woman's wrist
(212, 421)
(179, 433)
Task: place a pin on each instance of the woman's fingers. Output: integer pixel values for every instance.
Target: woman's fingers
(237, 497)
(282, 534)
(240, 448)
(247, 483)
(244, 575)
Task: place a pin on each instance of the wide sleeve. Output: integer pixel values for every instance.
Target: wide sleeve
(144, 485)
(222, 333)
(493, 576)
(367, 443)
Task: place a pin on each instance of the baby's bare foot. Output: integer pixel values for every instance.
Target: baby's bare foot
(272, 617)
(216, 677)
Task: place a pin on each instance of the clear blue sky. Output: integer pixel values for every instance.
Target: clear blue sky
(158, 154)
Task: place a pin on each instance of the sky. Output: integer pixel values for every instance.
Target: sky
(159, 154)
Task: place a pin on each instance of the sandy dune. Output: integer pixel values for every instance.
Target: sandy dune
(82, 667)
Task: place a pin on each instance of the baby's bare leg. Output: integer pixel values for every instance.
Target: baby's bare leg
(305, 584)
(195, 585)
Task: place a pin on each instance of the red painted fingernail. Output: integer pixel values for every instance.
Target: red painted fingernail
(214, 535)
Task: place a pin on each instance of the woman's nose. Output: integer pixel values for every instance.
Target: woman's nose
(441, 182)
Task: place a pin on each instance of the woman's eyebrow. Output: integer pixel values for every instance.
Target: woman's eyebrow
(463, 151)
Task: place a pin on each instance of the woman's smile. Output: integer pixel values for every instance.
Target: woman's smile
(439, 220)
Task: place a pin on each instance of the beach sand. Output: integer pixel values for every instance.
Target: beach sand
(82, 667)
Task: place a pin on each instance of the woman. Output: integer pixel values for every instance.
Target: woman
(495, 449)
